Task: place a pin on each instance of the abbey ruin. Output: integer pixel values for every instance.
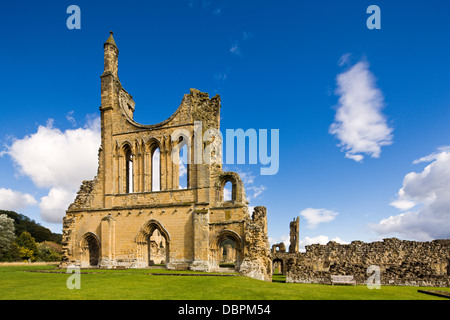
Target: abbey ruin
(393, 261)
(136, 214)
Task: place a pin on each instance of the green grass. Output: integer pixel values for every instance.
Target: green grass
(136, 284)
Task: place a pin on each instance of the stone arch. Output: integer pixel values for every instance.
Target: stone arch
(143, 240)
(237, 187)
(180, 139)
(279, 265)
(227, 248)
(153, 164)
(90, 250)
(152, 144)
(127, 144)
(126, 166)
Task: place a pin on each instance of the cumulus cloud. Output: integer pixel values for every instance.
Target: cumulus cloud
(359, 123)
(15, 200)
(319, 240)
(52, 158)
(52, 207)
(425, 201)
(284, 238)
(316, 216)
(59, 161)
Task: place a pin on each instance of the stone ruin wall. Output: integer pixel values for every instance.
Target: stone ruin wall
(401, 262)
(113, 220)
(257, 262)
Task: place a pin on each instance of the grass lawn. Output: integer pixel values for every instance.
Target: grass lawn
(137, 284)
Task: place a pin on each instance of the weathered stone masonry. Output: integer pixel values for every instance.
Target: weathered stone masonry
(401, 262)
(134, 213)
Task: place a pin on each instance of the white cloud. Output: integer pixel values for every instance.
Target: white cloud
(359, 124)
(256, 191)
(403, 204)
(15, 200)
(319, 240)
(53, 205)
(284, 238)
(52, 158)
(59, 161)
(71, 119)
(427, 195)
(316, 216)
(235, 48)
(344, 60)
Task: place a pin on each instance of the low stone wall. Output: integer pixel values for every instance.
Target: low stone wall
(399, 262)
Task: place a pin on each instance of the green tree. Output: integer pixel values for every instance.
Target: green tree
(38, 232)
(13, 254)
(27, 245)
(49, 251)
(6, 234)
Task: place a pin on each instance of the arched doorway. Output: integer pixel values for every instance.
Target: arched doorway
(157, 244)
(227, 250)
(278, 267)
(153, 242)
(227, 253)
(90, 250)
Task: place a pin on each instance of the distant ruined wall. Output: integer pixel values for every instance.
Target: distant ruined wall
(401, 262)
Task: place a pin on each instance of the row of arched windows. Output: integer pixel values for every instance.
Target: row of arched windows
(145, 171)
(130, 176)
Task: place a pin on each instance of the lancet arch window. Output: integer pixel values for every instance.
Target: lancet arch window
(128, 174)
(155, 168)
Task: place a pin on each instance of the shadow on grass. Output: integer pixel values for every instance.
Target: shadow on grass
(278, 277)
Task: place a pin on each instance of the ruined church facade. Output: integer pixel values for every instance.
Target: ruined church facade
(134, 213)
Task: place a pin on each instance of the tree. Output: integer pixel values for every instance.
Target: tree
(49, 251)
(13, 254)
(38, 232)
(27, 245)
(7, 235)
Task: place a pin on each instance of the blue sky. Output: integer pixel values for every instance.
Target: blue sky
(275, 65)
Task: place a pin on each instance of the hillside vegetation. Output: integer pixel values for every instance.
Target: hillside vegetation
(22, 239)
